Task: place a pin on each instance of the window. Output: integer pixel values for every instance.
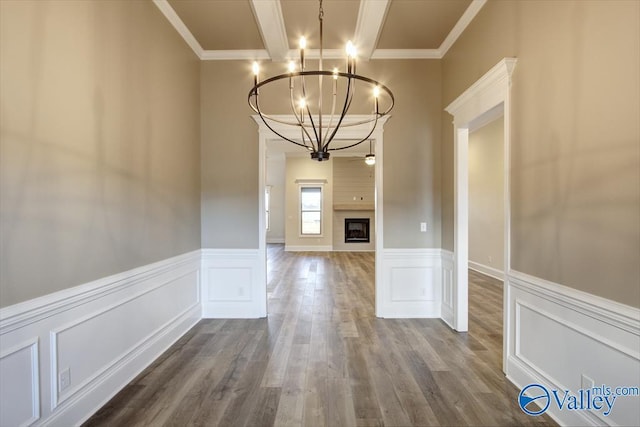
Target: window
(267, 203)
(310, 211)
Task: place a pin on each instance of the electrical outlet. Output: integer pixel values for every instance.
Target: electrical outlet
(64, 379)
(586, 382)
(423, 227)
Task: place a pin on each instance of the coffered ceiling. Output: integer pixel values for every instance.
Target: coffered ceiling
(269, 29)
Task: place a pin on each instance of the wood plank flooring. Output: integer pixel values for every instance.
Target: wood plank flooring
(323, 359)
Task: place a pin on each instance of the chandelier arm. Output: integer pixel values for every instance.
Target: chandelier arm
(298, 119)
(351, 78)
(274, 131)
(345, 108)
(362, 140)
(333, 110)
(313, 125)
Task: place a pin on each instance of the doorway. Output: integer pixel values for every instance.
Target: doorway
(351, 130)
(486, 97)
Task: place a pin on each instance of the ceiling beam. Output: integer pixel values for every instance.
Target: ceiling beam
(371, 17)
(268, 14)
(180, 27)
(461, 25)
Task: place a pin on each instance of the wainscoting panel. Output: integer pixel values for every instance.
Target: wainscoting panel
(19, 384)
(563, 338)
(447, 287)
(233, 284)
(64, 355)
(411, 283)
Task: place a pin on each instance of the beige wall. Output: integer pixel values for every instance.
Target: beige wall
(275, 179)
(229, 162)
(486, 195)
(411, 154)
(575, 160)
(303, 168)
(99, 168)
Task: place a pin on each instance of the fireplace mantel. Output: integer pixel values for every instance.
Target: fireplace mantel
(355, 207)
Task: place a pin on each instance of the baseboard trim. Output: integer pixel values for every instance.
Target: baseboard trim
(486, 270)
(275, 240)
(295, 248)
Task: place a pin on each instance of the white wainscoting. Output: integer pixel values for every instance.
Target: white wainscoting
(557, 335)
(233, 284)
(411, 283)
(79, 331)
(486, 270)
(447, 287)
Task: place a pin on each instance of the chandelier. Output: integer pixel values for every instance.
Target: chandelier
(306, 96)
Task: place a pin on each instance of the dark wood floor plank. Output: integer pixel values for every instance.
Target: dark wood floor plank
(322, 358)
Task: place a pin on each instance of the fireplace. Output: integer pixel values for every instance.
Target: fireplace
(356, 230)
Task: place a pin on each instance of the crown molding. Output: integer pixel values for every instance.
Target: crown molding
(230, 55)
(461, 25)
(180, 27)
(269, 17)
(406, 54)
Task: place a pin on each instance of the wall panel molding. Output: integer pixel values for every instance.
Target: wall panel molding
(563, 338)
(233, 284)
(20, 384)
(411, 283)
(76, 357)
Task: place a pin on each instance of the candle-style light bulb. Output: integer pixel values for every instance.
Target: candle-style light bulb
(335, 73)
(350, 49)
(376, 94)
(256, 71)
(303, 44)
(351, 57)
(292, 66)
(302, 103)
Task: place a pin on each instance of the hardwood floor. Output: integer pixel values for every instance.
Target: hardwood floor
(323, 359)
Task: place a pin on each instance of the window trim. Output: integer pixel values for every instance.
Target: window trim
(309, 184)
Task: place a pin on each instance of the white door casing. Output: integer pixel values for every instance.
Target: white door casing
(350, 132)
(480, 100)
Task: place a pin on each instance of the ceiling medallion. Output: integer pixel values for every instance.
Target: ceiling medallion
(317, 127)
